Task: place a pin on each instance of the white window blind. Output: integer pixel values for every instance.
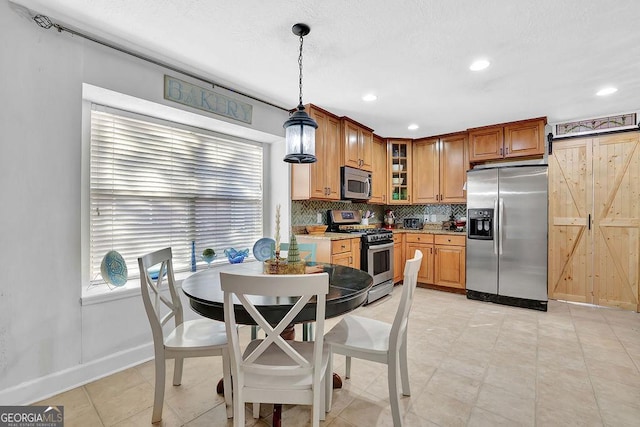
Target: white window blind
(156, 184)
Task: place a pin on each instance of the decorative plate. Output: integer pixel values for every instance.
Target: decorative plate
(114, 269)
(263, 249)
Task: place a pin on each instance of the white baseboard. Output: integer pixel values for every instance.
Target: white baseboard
(42, 388)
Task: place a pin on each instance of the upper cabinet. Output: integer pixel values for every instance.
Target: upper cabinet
(357, 145)
(439, 169)
(379, 172)
(517, 139)
(399, 171)
(320, 180)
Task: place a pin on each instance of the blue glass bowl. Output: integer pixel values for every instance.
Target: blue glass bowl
(236, 257)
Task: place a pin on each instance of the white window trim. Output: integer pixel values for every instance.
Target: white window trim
(100, 293)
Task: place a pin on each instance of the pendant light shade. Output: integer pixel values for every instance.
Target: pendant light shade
(300, 137)
(300, 129)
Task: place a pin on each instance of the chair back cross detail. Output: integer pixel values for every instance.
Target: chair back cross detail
(275, 370)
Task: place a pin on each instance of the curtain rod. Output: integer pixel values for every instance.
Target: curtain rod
(43, 21)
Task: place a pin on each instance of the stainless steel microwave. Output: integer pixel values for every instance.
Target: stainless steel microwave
(355, 184)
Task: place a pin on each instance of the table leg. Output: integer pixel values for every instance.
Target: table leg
(277, 415)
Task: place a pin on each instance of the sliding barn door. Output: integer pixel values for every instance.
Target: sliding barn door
(570, 195)
(616, 177)
(594, 220)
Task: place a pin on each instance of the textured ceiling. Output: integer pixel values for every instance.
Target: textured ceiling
(548, 57)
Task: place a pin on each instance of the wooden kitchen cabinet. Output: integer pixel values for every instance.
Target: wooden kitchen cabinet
(379, 173)
(439, 169)
(342, 251)
(357, 148)
(399, 170)
(398, 257)
(346, 252)
(320, 180)
(508, 140)
(449, 261)
(423, 242)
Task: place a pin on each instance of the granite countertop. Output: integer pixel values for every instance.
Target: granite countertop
(330, 236)
(429, 231)
(344, 236)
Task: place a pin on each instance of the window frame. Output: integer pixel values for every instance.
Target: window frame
(86, 203)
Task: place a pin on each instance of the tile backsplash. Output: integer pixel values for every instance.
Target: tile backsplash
(306, 212)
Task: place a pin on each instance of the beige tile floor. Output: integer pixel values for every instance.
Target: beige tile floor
(471, 363)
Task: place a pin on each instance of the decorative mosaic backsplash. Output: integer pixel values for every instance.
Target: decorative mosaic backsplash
(305, 212)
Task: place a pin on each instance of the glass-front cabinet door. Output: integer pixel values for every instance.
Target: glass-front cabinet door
(399, 155)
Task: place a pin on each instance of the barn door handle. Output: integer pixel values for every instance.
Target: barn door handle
(589, 222)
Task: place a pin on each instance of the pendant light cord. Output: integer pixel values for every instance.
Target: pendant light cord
(300, 67)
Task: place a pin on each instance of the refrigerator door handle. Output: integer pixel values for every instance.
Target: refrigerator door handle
(495, 227)
(500, 225)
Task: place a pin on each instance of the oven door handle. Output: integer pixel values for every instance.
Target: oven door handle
(382, 246)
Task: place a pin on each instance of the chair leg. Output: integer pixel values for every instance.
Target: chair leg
(226, 380)
(315, 409)
(177, 370)
(256, 410)
(347, 371)
(238, 403)
(328, 384)
(158, 395)
(404, 368)
(394, 398)
(322, 408)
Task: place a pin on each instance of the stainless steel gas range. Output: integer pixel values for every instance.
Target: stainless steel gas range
(376, 255)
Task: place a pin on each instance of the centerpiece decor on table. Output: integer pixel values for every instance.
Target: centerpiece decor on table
(276, 265)
(294, 264)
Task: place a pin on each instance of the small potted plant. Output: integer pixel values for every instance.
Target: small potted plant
(208, 255)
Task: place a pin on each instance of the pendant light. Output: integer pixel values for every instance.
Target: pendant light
(300, 129)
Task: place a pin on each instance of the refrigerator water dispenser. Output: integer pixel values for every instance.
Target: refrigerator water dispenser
(480, 224)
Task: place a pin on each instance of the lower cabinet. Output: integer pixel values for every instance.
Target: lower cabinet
(342, 252)
(443, 258)
(398, 257)
(423, 242)
(346, 252)
(449, 261)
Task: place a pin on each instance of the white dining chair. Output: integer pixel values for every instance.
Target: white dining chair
(377, 341)
(308, 253)
(193, 338)
(274, 370)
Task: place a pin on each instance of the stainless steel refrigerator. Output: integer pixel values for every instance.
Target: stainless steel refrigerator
(507, 235)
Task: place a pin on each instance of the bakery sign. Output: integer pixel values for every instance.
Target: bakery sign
(207, 100)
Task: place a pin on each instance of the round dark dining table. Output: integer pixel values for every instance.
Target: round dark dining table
(348, 289)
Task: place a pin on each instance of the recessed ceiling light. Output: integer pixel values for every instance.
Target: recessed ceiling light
(369, 97)
(480, 64)
(607, 91)
(413, 126)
